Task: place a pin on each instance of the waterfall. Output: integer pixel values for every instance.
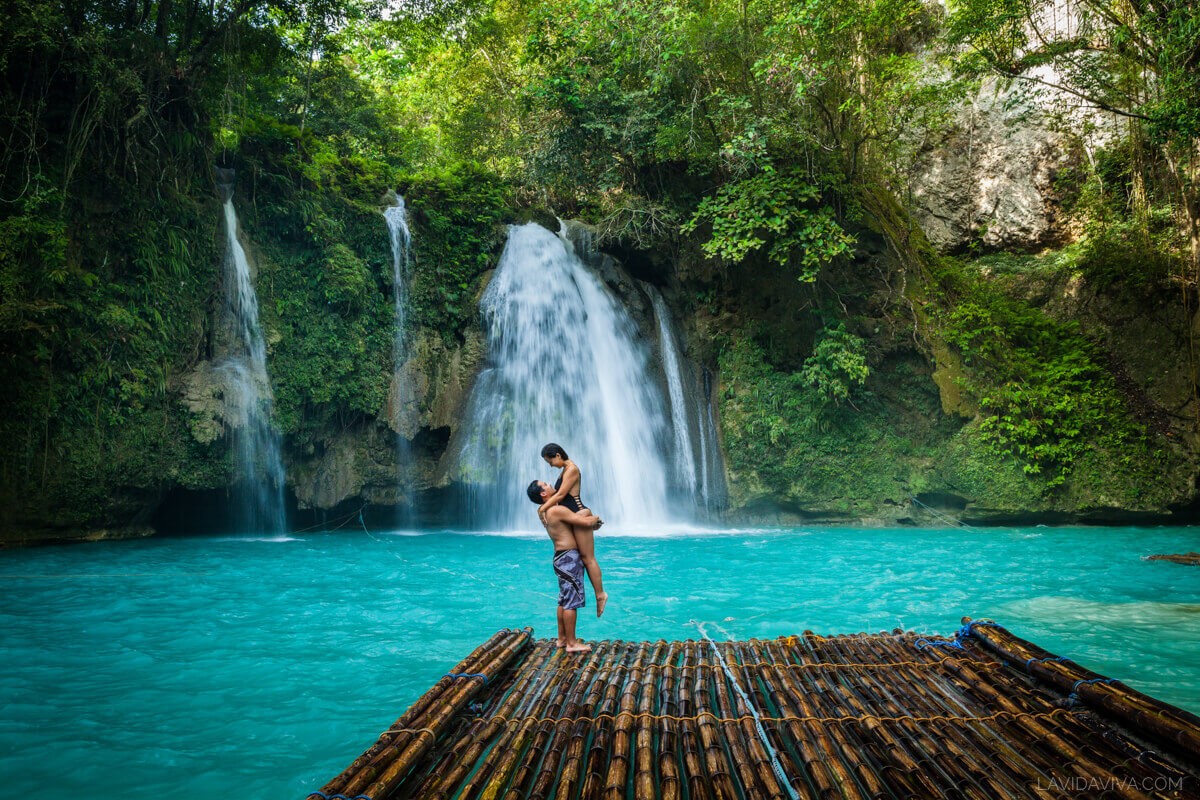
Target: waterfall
(713, 490)
(396, 217)
(248, 397)
(564, 365)
(685, 458)
(397, 222)
(695, 445)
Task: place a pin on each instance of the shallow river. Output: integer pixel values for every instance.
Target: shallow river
(202, 667)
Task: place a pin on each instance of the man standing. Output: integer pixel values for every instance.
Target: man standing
(568, 566)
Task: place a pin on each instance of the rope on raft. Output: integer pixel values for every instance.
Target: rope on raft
(776, 767)
(965, 632)
(457, 675)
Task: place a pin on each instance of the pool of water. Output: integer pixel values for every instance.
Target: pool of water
(197, 667)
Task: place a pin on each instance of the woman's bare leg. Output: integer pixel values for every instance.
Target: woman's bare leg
(585, 540)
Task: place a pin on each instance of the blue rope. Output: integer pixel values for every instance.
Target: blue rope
(1093, 680)
(968, 629)
(457, 675)
(1044, 661)
(925, 644)
(339, 796)
(962, 633)
(776, 767)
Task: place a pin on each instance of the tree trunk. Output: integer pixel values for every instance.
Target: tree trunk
(162, 20)
(1187, 173)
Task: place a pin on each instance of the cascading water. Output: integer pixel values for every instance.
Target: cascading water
(248, 398)
(696, 456)
(564, 365)
(713, 490)
(685, 458)
(396, 217)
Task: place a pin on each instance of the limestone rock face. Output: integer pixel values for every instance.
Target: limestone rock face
(431, 387)
(357, 462)
(202, 394)
(427, 394)
(990, 180)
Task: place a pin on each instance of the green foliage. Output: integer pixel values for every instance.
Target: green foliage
(1044, 395)
(347, 281)
(785, 443)
(457, 232)
(323, 276)
(767, 106)
(745, 214)
(837, 366)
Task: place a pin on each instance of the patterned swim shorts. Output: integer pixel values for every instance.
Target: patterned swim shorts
(568, 566)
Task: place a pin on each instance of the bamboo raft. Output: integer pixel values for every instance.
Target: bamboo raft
(983, 714)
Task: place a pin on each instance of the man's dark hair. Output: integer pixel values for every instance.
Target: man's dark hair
(551, 450)
(535, 492)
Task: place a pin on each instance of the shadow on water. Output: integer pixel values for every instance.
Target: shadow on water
(217, 512)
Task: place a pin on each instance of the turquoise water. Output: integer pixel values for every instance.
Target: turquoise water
(197, 667)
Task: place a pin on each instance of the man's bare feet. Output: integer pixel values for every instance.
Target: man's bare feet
(579, 647)
(559, 642)
(601, 601)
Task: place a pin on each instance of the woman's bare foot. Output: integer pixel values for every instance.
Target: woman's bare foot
(601, 601)
(579, 647)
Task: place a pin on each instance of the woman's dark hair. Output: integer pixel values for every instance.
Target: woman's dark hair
(535, 492)
(551, 450)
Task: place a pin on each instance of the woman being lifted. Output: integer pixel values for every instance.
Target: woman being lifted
(566, 492)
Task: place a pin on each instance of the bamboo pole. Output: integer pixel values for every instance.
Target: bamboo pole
(670, 740)
(812, 758)
(693, 758)
(869, 715)
(1045, 733)
(525, 772)
(608, 691)
(510, 753)
(644, 785)
(529, 690)
(842, 741)
(1172, 726)
(926, 759)
(423, 703)
(942, 697)
(381, 776)
(984, 692)
(759, 679)
(880, 693)
(574, 753)
(716, 763)
(461, 756)
(621, 749)
(751, 759)
(558, 732)
(732, 732)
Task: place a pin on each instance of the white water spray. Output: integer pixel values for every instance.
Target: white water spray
(564, 365)
(696, 456)
(396, 217)
(685, 459)
(248, 397)
(397, 222)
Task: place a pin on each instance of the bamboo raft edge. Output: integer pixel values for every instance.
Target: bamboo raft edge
(894, 714)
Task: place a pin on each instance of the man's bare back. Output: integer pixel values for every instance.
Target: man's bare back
(560, 524)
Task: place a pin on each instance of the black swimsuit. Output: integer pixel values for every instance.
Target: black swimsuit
(571, 501)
